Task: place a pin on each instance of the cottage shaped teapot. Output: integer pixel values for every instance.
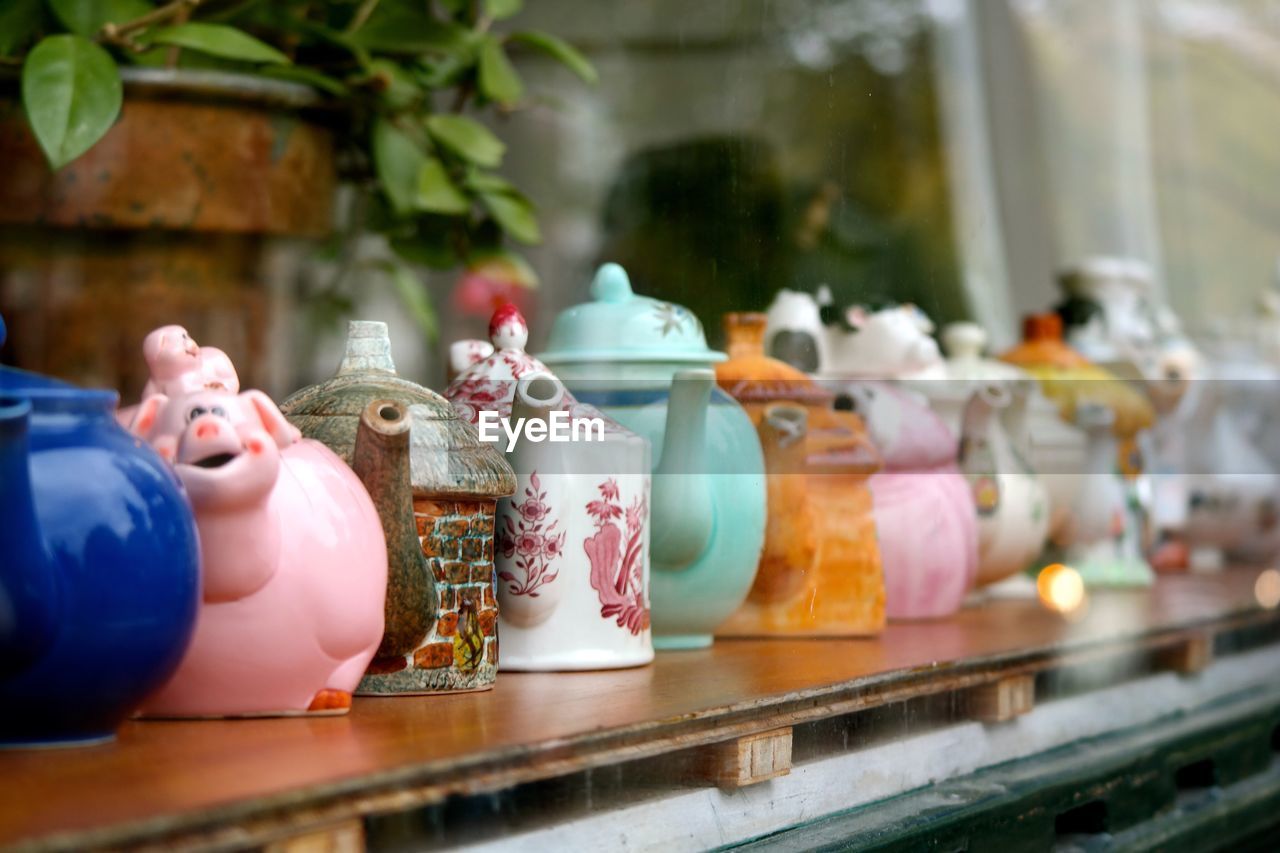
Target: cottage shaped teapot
(435, 486)
(646, 364)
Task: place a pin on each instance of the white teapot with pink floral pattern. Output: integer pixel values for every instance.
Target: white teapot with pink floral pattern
(572, 543)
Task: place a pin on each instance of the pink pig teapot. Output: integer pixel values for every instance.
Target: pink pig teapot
(294, 561)
(572, 550)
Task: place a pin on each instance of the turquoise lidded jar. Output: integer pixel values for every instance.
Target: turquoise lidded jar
(647, 365)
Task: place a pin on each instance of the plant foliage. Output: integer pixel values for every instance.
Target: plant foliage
(407, 72)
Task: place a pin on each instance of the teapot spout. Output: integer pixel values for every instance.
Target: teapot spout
(537, 396)
(381, 461)
(683, 512)
(976, 419)
(29, 585)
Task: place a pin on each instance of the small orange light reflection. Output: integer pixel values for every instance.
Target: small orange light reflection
(1267, 589)
(1060, 588)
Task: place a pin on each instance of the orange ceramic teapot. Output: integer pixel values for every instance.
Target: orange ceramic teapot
(819, 573)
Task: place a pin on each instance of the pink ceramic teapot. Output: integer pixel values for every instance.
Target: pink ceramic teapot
(924, 510)
(294, 561)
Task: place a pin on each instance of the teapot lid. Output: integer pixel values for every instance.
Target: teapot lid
(489, 382)
(964, 344)
(618, 325)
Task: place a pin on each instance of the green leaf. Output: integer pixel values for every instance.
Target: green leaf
(219, 40)
(515, 214)
(498, 79)
(467, 138)
(72, 94)
(399, 90)
(397, 160)
(429, 244)
(484, 182)
(559, 50)
(398, 26)
(19, 20)
(309, 76)
(413, 293)
(86, 17)
(436, 193)
(500, 9)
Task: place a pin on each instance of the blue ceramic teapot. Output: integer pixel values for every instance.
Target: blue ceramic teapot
(99, 564)
(647, 365)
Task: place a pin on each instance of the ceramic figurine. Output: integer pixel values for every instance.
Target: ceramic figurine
(794, 331)
(1070, 380)
(573, 542)
(924, 509)
(857, 343)
(1052, 448)
(889, 342)
(1109, 312)
(1013, 507)
(99, 565)
(435, 485)
(1102, 539)
(646, 364)
(294, 561)
(820, 571)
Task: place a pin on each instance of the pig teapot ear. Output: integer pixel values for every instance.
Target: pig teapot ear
(260, 406)
(144, 419)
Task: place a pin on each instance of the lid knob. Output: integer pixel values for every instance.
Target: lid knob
(745, 333)
(1042, 327)
(964, 340)
(368, 348)
(507, 328)
(611, 284)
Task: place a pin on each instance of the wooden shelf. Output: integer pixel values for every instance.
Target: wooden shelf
(255, 781)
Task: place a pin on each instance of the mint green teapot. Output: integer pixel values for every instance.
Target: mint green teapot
(647, 365)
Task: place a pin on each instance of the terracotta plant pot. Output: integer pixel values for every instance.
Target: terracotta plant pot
(185, 212)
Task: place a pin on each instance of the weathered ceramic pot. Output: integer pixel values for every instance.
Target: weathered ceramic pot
(99, 565)
(204, 193)
(924, 510)
(436, 487)
(1013, 507)
(573, 542)
(294, 560)
(646, 364)
(820, 571)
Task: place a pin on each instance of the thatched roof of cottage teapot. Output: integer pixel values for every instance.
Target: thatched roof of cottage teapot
(447, 458)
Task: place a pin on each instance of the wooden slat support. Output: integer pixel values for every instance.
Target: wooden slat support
(345, 837)
(1003, 699)
(1188, 655)
(746, 760)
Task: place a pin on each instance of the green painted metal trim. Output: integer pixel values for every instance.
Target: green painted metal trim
(1122, 786)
